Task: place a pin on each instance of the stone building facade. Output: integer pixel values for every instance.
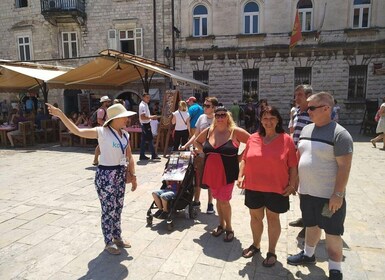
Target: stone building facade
(239, 47)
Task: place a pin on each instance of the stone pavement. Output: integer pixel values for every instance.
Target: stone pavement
(50, 216)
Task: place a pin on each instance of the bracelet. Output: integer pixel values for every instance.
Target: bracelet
(339, 194)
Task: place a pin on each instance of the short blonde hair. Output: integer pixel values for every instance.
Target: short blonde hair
(182, 105)
(322, 97)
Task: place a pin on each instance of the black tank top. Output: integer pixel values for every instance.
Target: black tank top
(229, 156)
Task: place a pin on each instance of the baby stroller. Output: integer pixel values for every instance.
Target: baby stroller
(180, 169)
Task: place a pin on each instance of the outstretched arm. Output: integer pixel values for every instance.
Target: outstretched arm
(89, 133)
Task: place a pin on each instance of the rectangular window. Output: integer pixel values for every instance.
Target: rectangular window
(70, 44)
(302, 76)
(357, 82)
(24, 47)
(130, 41)
(21, 3)
(202, 76)
(361, 16)
(250, 79)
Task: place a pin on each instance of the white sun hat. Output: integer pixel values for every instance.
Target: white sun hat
(104, 99)
(117, 111)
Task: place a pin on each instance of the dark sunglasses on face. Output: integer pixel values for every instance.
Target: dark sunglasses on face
(313, 108)
(220, 116)
(207, 105)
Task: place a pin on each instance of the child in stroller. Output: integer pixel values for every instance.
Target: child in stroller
(161, 197)
(177, 190)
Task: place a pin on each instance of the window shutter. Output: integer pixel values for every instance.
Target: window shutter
(112, 40)
(139, 41)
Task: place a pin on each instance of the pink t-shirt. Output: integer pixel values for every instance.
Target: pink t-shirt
(267, 165)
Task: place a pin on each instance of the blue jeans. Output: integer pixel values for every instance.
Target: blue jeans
(145, 138)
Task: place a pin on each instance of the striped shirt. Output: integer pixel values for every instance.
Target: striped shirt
(300, 119)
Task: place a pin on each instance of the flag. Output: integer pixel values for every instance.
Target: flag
(296, 34)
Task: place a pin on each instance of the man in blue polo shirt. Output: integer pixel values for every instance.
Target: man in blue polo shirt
(194, 110)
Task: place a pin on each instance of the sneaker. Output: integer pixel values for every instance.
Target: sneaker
(157, 213)
(210, 209)
(296, 223)
(112, 249)
(196, 204)
(143, 158)
(335, 274)
(122, 243)
(300, 259)
(163, 216)
(155, 157)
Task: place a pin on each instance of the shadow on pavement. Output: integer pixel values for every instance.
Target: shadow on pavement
(106, 266)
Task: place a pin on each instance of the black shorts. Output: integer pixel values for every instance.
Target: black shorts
(311, 208)
(275, 202)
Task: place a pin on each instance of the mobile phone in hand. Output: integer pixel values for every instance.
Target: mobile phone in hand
(326, 212)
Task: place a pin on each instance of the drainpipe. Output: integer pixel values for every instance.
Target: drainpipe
(173, 33)
(154, 20)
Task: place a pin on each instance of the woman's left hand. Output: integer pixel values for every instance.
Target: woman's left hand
(289, 190)
(134, 184)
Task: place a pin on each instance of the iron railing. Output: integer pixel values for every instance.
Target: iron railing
(62, 5)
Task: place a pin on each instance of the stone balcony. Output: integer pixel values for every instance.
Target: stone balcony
(64, 11)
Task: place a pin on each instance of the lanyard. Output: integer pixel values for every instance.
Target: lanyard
(120, 143)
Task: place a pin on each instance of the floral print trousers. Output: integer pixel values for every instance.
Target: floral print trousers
(110, 185)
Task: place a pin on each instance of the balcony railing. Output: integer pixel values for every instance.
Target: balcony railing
(62, 11)
(62, 5)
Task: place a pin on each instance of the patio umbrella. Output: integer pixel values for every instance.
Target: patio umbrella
(113, 69)
(26, 76)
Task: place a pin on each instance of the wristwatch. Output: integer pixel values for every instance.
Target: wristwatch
(340, 194)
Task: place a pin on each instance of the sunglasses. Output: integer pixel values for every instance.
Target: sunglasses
(207, 105)
(313, 108)
(220, 116)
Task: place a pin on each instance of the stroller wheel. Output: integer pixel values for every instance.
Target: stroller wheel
(149, 221)
(193, 213)
(170, 225)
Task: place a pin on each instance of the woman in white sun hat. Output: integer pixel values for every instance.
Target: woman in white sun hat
(116, 168)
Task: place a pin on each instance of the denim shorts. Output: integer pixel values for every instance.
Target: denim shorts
(165, 194)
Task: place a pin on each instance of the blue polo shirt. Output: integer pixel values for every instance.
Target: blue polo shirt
(194, 111)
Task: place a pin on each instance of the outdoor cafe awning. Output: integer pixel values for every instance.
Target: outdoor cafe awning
(24, 76)
(113, 69)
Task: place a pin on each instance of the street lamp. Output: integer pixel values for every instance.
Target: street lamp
(167, 54)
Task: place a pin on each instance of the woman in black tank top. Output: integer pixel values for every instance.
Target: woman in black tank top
(220, 144)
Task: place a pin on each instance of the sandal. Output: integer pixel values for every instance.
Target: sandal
(251, 251)
(112, 249)
(229, 236)
(373, 143)
(122, 243)
(266, 262)
(218, 231)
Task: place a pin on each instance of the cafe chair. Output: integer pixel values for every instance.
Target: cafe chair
(368, 125)
(65, 137)
(26, 135)
(49, 132)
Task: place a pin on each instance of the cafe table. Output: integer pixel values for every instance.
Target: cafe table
(134, 132)
(3, 133)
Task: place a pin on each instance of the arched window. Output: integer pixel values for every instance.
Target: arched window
(200, 21)
(361, 13)
(251, 18)
(305, 10)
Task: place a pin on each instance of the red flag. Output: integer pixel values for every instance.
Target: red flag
(296, 34)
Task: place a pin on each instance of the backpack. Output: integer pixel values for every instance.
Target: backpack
(94, 117)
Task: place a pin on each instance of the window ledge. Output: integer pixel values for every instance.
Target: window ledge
(191, 38)
(258, 35)
(361, 31)
(355, 104)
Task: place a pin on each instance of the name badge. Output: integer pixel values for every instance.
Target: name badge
(123, 161)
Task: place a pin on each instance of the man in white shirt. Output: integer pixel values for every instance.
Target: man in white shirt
(145, 119)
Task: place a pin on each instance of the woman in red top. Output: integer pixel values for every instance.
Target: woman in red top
(220, 144)
(268, 172)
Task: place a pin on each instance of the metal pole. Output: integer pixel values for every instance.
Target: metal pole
(173, 34)
(154, 22)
